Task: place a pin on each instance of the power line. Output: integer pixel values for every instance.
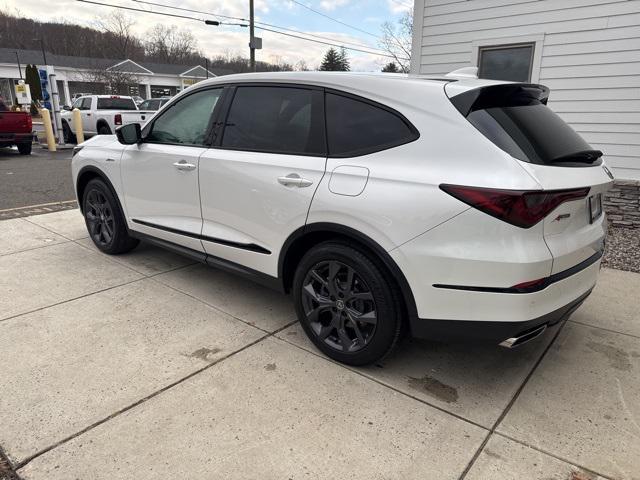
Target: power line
(257, 23)
(325, 43)
(334, 19)
(333, 44)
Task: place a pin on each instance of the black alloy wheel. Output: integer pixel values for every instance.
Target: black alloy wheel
(100, 218)
(347, 303)
(339, 306)
(104, 218)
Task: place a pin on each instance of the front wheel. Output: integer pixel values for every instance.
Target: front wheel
(346, 305)
(105, 221)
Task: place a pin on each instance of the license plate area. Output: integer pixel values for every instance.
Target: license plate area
(595, 207)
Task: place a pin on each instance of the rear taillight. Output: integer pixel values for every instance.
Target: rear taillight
(522, 208)
(118, 119)
(29, 123)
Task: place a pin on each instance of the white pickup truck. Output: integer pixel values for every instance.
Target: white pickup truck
(101, 115)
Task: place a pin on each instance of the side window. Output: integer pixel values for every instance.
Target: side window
(186, 121)
(86, 103)
(356, 127)
(77, 103)
(276, 119)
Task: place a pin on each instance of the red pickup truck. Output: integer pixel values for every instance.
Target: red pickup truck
(15, 129)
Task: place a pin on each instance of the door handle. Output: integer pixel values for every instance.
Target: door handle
(183, 165)
(294, 180)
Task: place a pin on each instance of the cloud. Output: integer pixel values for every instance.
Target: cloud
(400, 6)
(212, 41)
(330, 5)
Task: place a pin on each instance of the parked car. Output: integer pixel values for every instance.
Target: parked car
(454, 208)
(101, 114)
(153, 104)
(15, 129)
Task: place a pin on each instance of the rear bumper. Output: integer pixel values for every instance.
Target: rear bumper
(490, 332)
(14, 138)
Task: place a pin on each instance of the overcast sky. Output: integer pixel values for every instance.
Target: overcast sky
(366, 15)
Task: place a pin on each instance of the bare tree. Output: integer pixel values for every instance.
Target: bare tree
(396, 40)
(167, 44)
(124, 44)
(112, 81)
(301, 66)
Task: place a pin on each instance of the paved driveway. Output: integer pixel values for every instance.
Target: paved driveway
(147, 366)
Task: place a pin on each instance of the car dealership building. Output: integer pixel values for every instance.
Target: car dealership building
(82, 74)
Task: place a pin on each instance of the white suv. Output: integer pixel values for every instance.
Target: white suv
(456, 208)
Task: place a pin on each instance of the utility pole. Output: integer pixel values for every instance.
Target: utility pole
(252, 46)
(19, 66)
(44, 55)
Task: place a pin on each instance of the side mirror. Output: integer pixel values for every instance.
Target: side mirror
(67, 108)
(129, 134)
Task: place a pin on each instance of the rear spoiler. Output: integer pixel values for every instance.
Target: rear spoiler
(502, 95)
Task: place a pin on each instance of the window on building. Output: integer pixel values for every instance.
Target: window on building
(507, 62)
(277, 120)
(186, 121)
(356, 128)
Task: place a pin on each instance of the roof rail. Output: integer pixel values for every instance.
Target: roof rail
(465, 72)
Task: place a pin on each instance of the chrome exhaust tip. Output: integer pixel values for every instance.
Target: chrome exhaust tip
(524, 337)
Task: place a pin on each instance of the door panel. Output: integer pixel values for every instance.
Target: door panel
(243, 202)
(257, 184)
(160, 193)
(160, 175)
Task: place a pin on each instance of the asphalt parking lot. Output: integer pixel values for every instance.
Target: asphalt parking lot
(148, 366)
(36, 183)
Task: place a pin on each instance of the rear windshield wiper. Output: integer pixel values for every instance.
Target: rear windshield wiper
(584, 156)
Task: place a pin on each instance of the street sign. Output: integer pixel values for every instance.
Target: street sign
(23, 93)
(256, 43)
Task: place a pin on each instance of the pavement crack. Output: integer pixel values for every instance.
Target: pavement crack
(30, 458)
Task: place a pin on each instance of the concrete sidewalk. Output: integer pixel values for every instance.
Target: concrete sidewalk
(147, 366)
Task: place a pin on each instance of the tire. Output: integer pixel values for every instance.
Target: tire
(67, 134)
(24, 148)
(346, 305)
(104, 219)
(104, 130)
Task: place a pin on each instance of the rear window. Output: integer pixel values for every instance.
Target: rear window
(517, 120)
(356, 127)
(115, 103)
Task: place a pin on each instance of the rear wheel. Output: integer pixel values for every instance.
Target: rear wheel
(67, 134)
(24, 148)
(105, 221)
(346, 305)
(104, 130)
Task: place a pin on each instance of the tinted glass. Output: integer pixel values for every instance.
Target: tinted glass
(116, 104)
(150, 105)
(508, 63)
(275, 119)
(86, 103)
(186, 121)
(355, 127)
(515, 119)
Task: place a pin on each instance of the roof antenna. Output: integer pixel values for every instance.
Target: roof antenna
(465, 72)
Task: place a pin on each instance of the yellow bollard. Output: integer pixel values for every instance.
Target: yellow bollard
(77, 125)
(48, 129)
